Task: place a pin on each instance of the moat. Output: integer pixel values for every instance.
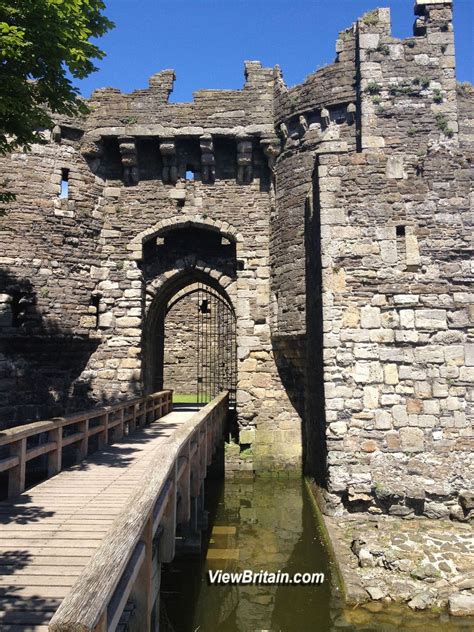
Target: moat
(270, 525)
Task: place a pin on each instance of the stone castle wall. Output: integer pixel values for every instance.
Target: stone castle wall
(393, 217)
(345, 209)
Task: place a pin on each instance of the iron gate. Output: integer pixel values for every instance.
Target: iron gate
(216, 346)
(213, 323)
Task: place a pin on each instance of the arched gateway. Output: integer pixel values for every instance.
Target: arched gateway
(190, 340)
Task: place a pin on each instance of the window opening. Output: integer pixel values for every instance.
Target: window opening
(64, 192)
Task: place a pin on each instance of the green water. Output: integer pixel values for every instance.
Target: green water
(271, 527)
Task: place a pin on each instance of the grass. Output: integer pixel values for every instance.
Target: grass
(189, 398)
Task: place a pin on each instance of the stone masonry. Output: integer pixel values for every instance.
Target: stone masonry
(335, 217)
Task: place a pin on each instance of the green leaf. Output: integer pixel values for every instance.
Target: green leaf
(40, 41)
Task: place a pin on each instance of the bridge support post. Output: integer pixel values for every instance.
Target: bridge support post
(184, 488)
(16, 477)
(142, 591)
(83, 445)
(168, 522)
(55, 457)
(201, 514)
(104, 434)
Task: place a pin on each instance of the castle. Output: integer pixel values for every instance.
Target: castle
(334, 220)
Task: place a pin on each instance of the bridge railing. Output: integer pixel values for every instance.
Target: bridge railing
(108, 423)
(143, 535)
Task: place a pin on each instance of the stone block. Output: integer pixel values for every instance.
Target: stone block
(413, 257)
(177, 194)
(388, 252)
(373, 142)
(395, 168)
(383, 420)
(407, 318)
(461, 604)
(466, 374)
(420, 3)
(370, 317)
(406, 299)
(411, 439)
(99, 274)
(371, 396)
(431, 407)
(338, 428)
(351, 317)
(369, 445)
(392, 439)
(128, 321)
(390, 374)
(469, 354)
(440, 389)
(429, 354)
(88, 322)
(369, 40)
(422, 60)
(368, 372)
(414, 406)
(431, 319)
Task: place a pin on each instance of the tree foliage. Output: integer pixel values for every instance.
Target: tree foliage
(42, 44)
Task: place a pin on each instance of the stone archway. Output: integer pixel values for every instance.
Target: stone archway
(207, 331)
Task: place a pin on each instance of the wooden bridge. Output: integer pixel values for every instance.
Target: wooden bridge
(82, 549)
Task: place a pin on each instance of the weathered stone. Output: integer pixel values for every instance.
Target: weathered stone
(421, 601)
(466, 500)
(461, 604)
(366, 559)
(412, 439)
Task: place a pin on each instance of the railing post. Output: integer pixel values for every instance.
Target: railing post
(195, 473)
(141, 592)
(208, 442)
(83, 446)
(55, 457)
(184, 489)
(142, 412)
(168, 522)
(203, 452)
(16, 477)
(120, 429)
(104, 435)
(132, 424)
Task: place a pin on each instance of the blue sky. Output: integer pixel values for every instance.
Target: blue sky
(207, 41)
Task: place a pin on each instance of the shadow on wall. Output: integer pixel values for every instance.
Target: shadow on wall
(299, 357)
(41, 361)
(315, 449)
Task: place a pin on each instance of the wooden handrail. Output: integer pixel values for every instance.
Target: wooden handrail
(132, 413)
(91, 605)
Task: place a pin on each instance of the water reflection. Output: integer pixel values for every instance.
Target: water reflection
(269, 525)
